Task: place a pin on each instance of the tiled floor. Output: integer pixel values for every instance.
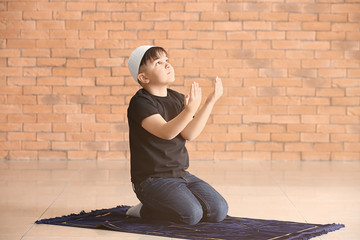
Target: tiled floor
(314, 192)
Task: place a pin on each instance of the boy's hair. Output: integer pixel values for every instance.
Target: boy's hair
(152, 54)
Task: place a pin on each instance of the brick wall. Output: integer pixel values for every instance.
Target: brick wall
(291, 70)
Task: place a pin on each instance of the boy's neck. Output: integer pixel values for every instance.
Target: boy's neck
(157, 91)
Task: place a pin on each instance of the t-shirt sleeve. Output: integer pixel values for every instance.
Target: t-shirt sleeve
(140, 108)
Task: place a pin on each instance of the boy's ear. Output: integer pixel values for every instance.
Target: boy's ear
(143, 78)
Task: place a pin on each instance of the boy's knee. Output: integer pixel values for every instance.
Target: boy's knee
(193, 216)
(219, 213)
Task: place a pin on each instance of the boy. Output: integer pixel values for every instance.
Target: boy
(160, 122)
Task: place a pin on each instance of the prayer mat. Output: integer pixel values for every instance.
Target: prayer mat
(232, 228)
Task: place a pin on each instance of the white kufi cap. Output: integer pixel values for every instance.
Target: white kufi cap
(135, 60)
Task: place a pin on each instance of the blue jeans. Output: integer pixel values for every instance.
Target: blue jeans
(185, 200)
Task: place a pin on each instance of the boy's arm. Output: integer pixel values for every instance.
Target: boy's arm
(195, 127)
(156, 124)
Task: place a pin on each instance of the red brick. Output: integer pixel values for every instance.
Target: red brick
(270, 35)
(226, 137)
(37, 109)
(115, 118)
(190, 25)
(316, 26)
(214, 16)
(58, 108)
(246, 146)
(64, 53)
(137, 25)
(240, 35)
(37, 15)
(264, 137)
(111, 6)
(50, 24)
(53, 118)
(352, 156)
(56, 155)
(256, 156)
(345, 101)
(316, 156)
(50, 136)
(82, 6)
(50, 62)
(328, 147)
(352, 147)
(66, 127)
(315, 119)
(269, 147)
(21, 100)
(316, 101)
(199, 7)
(67, 15)
(96, 16)
(331, 110)
(285, 119)
(67, 90)
(152, 34)
(124, 16)
(23, 155)
(10, 145)
(97, 146)
(286, 156)
(21, 6)
(256, 44)
(285, 137)
(14, 43)
(139, 7)
(91, 34)
(70, 72)
(237, 16)
(88, 136)
(315, 137)
(197, 155)
(21, 118)
(274, 16)
(224, 156)
(16, 136)
(36, 145)
(348, 137)
(109, 137)
(75, 43)
(345, 8)
(37, 127)
(155, 16)
(111, 155)
(184, 16)
(299, 147)
(65, 146)
(257, 25)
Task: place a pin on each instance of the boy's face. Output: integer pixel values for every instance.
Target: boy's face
(159, 71)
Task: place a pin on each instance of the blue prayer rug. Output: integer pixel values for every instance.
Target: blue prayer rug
(232, 228)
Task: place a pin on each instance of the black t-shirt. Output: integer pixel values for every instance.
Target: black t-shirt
(152, 156)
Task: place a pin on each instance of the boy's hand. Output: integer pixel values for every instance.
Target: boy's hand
(192, 101)
(217, 93)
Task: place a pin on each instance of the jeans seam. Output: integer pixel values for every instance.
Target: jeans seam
(203, 200)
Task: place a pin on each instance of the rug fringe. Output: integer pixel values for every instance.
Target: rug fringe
(308, 235)
(69, 216)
